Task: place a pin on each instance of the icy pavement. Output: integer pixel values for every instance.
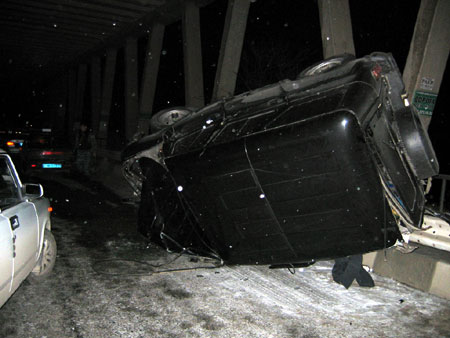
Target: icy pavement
(102, 286)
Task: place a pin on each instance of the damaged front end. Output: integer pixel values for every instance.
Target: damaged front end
(324, 166)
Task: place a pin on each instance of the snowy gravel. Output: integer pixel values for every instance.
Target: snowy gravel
(102, 286)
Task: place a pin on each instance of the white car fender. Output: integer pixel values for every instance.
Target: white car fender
(41, 206)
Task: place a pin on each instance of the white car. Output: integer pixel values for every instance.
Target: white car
(26, 242)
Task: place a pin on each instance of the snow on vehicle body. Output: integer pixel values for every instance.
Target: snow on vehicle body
(324, 166)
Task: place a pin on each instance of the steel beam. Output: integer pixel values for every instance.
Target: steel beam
(150, 76)
(192, 47)
(428, 56)
(81, 86)
(231, 48)
(71, 98)
(336, 27)
(131, 88)
(107, 90)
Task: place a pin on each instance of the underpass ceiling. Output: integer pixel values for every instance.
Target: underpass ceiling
(39, 38)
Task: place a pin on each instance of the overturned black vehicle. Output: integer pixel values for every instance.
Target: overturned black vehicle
(331, 164)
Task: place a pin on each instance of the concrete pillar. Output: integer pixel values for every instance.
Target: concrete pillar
(96, 92)
(149, 76)
(231, 48)
(427, 56)
(336, 27)
(131, 88)
(192, 47)
(71, 101)
(81, 86)
(107, 89)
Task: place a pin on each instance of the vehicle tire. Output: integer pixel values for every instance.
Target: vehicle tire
(167, 117)
(327, 65)
(416, 143)
(47, 259)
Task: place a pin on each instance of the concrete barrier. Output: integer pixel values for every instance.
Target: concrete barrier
(426, 268)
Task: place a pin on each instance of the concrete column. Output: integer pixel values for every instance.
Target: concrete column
(150, 76)
(71, 102)
(192, 47)
(96, 92)
(427, 56)
(107, 89)
(336, 27)
(131, 88)
(81, 86)
(231, 48)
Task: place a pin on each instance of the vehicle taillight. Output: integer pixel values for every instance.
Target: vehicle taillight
(47, 153)
(10, 144)
(33, 166)
(376, 71)
(50, 209)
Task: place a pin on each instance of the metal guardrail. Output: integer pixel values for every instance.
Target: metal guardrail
(444, 179)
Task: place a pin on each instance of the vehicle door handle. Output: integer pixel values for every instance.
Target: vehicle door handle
(14, 221)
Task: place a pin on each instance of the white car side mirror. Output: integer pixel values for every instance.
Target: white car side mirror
(33, 190)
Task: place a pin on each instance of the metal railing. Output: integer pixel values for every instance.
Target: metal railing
(444, 179)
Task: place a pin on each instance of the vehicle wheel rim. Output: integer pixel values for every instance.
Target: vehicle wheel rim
(323, 67)
(172, 116)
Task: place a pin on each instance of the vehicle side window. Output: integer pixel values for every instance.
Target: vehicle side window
(9, 191)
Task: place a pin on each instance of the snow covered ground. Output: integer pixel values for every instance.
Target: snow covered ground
(103, 286)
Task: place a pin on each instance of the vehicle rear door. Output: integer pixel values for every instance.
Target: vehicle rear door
(22, 219)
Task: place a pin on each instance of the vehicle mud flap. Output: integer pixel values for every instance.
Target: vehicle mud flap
(347, 269)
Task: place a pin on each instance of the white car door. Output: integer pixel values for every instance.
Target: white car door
(23, 222)
(6, 258)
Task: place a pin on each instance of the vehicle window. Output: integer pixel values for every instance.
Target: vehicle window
(9, 191)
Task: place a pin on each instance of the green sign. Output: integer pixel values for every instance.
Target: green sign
(424, 103)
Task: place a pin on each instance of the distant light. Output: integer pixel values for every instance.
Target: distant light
(209, 121)
(180, 188)
(344, 123)
(33, 166)
(10, 144)
(262, 196)
(50, 209)
(47, 153)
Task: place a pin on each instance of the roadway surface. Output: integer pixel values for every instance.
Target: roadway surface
(109, 282)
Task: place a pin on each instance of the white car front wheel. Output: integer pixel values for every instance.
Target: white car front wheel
(47, 258)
